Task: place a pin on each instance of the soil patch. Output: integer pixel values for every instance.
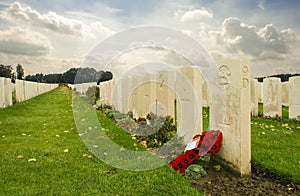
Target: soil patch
(223, 182)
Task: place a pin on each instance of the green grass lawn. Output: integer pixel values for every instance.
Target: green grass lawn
(276, 145)
(42, 129)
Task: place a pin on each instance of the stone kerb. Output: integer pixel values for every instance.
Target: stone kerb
(285, 93)
(236, 149)
(294, 97)
(6, 92)
(254, 97)
(272, 104)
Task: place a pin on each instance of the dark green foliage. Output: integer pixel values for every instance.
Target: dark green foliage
(103, 76)
(283, 77)
(20, 72)
(93, 93)
(194, 172)
(5, 71)
(154, 130)
(72, 76)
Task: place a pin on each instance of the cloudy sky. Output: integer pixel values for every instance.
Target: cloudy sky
(53, 36)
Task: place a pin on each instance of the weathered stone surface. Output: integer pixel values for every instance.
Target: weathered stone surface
(135, 101)
(254, 97)
(294, 97)
(272, 97)
(260, 92)
(165, 93)
(189, 105)
(127, 88)
(6, 92)
(31, 89)
(20, 90)
(236, 150)
(206, 99)
(285, 93)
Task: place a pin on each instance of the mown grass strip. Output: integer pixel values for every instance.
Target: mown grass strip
(43, 129)
(276, 146)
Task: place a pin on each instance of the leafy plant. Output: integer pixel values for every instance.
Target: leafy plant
(194, 172)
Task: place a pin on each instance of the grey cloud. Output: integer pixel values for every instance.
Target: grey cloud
(261, 43)
(20, 41)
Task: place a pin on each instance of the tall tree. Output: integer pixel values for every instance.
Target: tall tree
(20, 72)
(5, 71)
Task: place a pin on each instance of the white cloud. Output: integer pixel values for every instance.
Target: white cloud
(196, 14)
(50, 21)
(16, 40)
(99, 28)
(257, 43)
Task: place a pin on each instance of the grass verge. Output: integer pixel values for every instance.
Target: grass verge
(42, 154)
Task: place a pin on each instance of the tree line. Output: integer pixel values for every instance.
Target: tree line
(283, 77)
(71, 76)
(6, 71)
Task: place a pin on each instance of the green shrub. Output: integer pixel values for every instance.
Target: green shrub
(93, 93)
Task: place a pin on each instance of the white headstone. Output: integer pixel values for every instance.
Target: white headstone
(205, 95)
(165, 93)
(20, 90)
(6, 92)
(127, 88)
(254, 97)
(294, 97)
(260, 92)
(135, 102)
(285, 93)
(189, 105)
(272, 97)
(146, 95)
(236, 150)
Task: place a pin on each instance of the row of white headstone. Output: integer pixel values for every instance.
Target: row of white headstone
(157, 93)
(274, 94)
(24, 90)
(229, 112)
